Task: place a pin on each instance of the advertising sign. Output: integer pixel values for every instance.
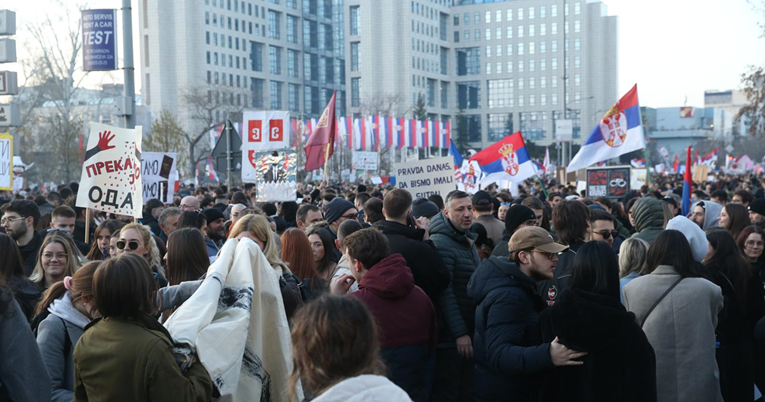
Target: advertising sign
(426, 177)
(111, 173)
(365, 160)
(99, 40)
(159, 172)
(612, 182)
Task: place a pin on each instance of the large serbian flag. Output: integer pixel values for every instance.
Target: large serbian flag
(617, 133)
(506, 159)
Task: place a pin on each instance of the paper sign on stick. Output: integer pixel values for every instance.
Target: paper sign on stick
(158, 171)
(426, 177)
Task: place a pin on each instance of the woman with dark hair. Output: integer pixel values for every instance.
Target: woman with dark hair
(751, 243)
(744, 305)
(186, 256)
(321, 245)
(288, 211)
(68, 307)
(99, 250)
(297, 253)
(678, 313)
(128, 340)
(589, 317)
(734, 218)
(483, 243)
(12, 274)
(336, 354)
(192, 219)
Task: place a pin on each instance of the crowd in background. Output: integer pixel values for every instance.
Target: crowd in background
(548, 295)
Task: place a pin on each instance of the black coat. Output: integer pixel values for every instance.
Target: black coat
(507, 345)
(150, 221)
(549, 290)
(29, 253)
(422, 257)
(620, 364)
(501, 249)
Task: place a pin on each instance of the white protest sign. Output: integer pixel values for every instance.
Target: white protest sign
(6, 162)
(426, 177)
(159, 172)
(365, 160)
(276, 175)
(111, 173)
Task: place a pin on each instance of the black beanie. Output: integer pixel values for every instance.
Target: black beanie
(336, 208)
(423, 207)
(516, 215)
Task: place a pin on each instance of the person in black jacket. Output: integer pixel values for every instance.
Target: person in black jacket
(509, 352)
(19, 219)
(620, 364)
(571, 220)
(409, 237)
(518, 216)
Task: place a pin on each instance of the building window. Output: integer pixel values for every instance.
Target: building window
(542, 12)
(469, 95)
(477, 35)
(500, 93)
(293, 95)
(577, 61)
(532, 47)
(542, 99)
(488, 51)
(498, 34)
(355, 20)
(577, 8)
(499, 67)
(554, 99)
(554, 28)
(577, 26)
(256, 93)
(554, 64)
(509, 49)
(355, 95)
(488, 68)
(292, 63)
(509, 67)
(532, 65)
(466, 19)
(543, 47)
(543, 82)
(276, 95)
(554, 46)
(468, 61)
(444, 95)
(577, 44)
(520, 66)
(256, 56)
(456, 21)
(467, 36)
(274, 60)
(292, 31)
(520, 31)
(554, 10)
(355, 56)
(543, 65)
(577, 80)
(273, 25)
(499, 50)
(554, 81)
(431, 88)
(498, 15)
(509, 14)
(499, 126)
(520, 49)
(487, 17)
(531, 13)
(509, 32)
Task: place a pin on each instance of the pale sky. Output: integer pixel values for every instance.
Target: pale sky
(673, 49)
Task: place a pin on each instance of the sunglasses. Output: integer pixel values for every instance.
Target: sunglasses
(133, 245)
(505, 204)
(606, 234)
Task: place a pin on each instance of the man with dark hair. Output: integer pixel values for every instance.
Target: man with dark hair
(44, 205)
(742, 197)
(151, 212)
(54, 198)
(168, 222)
(215, 233)
(719, 196)
(359, 202)
(337, 211)
(307, 215)
(537, 206)
(571, 220)
(483, 207)
(403, 312)
(508, 345)
(65, 218)
(373, 210)
(66, 194)
(451, 234)
(19, 221)
(602, 227)
(438, 200)
(343, 266)
(757, 212)
(409, 237)
(518, 216)
(555, 198)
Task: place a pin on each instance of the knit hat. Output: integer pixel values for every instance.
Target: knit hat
(758, 206)
(481, 197)
(696, 237)
(336, 208)
(516, 215)
(212, 214)
(423, 207)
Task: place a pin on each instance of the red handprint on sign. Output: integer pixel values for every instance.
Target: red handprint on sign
(104, 138)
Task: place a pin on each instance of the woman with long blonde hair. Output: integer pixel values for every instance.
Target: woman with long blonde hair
(137, 239)
(257, 229)
(56, 260)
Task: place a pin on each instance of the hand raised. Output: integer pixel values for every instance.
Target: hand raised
(104, 138)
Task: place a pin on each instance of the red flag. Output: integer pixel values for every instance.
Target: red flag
(676, 165)
(321, 143)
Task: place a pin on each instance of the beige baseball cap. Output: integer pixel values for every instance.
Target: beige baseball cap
(534, 237)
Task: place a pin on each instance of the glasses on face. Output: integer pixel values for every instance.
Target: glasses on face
(550, 256)
(505, 204)
(606, 233)
(753, 243)
(133, 245)
(51, 256)
(10, 219)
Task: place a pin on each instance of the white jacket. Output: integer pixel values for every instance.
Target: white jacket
(364, 388)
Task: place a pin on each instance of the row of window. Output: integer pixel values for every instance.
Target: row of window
(532, 48)
(509, 31)
(530, 14)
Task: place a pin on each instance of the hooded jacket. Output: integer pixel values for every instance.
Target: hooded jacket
(649, 219)
(421, 257)
(364, 388)
(507, 347)
(406, 320)
(620, 364)
(458, 252)
(711, 212)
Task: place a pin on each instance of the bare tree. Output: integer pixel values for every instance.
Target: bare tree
(166, 136)
(754, 88)
(382, 104)
(203, 102)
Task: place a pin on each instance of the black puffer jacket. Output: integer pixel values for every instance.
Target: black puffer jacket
(549, 290)
(458, 252)
(507, 345)
(501, 249)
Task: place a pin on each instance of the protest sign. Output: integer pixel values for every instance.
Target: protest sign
(365, 160)
(6, 162)
(638, 177)
(158, 171)
(276, 175)
(262, 131)
(612, 182)
(111, 173)
(426, 177)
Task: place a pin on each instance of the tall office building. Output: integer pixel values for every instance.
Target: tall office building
(491, 67)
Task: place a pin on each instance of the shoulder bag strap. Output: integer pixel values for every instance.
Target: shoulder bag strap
(656, 303)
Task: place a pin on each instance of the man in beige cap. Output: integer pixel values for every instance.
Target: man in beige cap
(507, 346)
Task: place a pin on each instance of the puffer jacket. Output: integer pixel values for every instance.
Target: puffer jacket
(460, 256)
(550, 289)
(649, 219)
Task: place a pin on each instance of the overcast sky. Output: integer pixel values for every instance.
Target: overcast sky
(673, 49)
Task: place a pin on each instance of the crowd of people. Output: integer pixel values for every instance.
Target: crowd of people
(548, 295)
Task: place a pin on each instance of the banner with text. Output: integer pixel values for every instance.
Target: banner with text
(426, 177)
(158, 171)
(365, 160)
(111, 173)
(6, 162)
(263, 131)
(276, 175)
(612, 182)
(99, 40)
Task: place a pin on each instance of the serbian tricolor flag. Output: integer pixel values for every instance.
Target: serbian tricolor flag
(638, 163)
(435, 134)
(446, 137)
(357, 137)
(321, 143)
(210, 170)
(618, 132)
(425, 129)
(349, 132)
(342, 135)
(676, 164)
(687, 185)
(546, 163)
(457, 156)
(376, 130)
(710, 158)
(410, 134)
(388, 131)
(400, 133)
(506, 159)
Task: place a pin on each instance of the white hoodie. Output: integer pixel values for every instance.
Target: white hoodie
(364, 388)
